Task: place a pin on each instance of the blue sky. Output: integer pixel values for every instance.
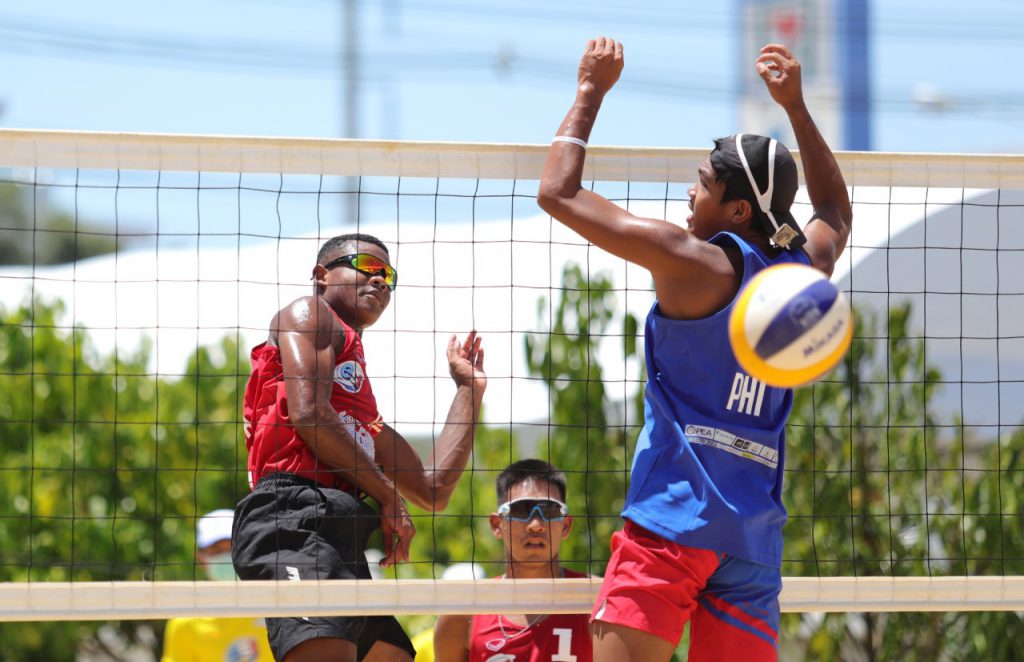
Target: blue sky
(480, 70)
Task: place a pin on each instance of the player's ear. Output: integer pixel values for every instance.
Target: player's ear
(741, 211)
(320, 275)
(566, 526)
(495, 522)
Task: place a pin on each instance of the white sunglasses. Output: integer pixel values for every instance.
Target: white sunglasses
(525, 509)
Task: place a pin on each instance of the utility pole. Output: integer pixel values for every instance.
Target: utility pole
(350, 102)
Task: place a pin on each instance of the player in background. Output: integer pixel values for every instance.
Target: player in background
(704, 516)
(200, 639)
(531, 520)
(424, 640)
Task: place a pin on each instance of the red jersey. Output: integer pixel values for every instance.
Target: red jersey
(556, 638)
(273, 444)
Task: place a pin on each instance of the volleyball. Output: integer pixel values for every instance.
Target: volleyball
(790, 325)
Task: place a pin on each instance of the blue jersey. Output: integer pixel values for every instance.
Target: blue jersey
(707, 470)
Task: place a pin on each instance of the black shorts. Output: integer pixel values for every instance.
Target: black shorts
(293, 528)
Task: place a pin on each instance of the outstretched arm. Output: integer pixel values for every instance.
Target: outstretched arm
(829, 228)
(692, 278)
(561, 193)
(431, 486)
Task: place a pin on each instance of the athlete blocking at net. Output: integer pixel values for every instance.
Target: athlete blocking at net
(704, 516)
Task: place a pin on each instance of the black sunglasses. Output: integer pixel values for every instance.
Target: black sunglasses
(368, 264)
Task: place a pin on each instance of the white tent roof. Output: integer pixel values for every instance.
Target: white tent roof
(489, 275)
(452, 278)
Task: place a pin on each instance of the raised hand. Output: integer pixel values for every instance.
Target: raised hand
(466, 361)
(601, 64)
(780, 71)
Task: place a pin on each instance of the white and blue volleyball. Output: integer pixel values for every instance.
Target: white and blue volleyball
(790, 325)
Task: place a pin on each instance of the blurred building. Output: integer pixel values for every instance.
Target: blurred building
(830, 37)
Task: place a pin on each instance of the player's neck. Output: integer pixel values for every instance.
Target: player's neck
(759, 239)
(544, 570)
(351, 323)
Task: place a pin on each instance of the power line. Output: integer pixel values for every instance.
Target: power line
(923, 27)
(19, 36)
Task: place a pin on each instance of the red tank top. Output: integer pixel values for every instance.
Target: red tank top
(273, 444)
(556, 638)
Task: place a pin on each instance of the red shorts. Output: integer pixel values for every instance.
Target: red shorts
(655, 585)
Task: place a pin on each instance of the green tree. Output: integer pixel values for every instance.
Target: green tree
(35, 232)
(875, 488)
(594, 451)
(581, 440)
(106, 465)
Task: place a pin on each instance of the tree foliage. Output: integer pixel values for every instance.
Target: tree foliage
(106, 465)
(585, 441)
(35, 232)
(581, 438)
(876, 487)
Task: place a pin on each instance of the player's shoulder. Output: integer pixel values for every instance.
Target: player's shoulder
(452, 621)
(306, 312)
(703, 286)
(820, 252)
(451, 635)
(713, 259)
(305, 304)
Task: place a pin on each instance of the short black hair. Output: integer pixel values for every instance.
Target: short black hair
(337, 243)
(524, 470)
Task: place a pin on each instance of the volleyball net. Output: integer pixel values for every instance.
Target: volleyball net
(138, 270)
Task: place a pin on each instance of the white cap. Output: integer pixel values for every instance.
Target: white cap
(464, 571)
(214, 527)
